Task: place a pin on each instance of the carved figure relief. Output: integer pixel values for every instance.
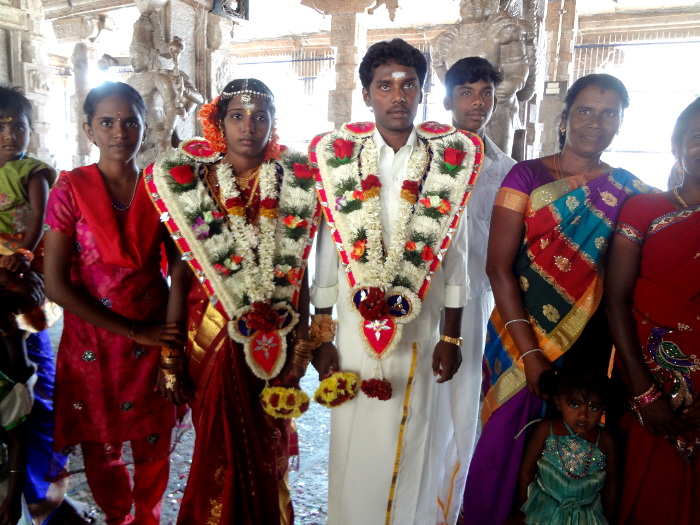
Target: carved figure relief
(169, 94)
(180, 96)
(508, 42)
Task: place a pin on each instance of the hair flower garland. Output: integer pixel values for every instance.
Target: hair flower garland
(336, 388)
(210, 127)
(284, 402)
(440, 175)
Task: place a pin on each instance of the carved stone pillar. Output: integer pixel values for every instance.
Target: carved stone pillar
(349, 38)
(561, 26)
(82, 54)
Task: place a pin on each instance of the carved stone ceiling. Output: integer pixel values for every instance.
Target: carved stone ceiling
(276, 18)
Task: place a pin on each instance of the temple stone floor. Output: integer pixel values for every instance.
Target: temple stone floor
(309, 482)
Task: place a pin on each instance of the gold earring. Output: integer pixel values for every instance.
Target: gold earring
(562, 129)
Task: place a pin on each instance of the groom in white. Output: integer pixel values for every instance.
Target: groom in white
(393, 195)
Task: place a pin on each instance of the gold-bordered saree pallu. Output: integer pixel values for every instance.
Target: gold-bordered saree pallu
(568, 224)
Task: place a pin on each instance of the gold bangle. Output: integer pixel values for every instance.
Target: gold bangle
(171, 371)
(177, 360)
(457, 341)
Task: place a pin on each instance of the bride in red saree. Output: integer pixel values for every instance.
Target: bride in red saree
(243, 213)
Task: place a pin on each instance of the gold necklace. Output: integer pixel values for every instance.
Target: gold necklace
(557, 173)
(675, 192)
(243, 180)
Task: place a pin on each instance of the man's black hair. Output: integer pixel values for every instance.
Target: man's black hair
(388, 51)
(470, 70)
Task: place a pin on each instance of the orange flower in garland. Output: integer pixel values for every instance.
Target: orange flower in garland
(410, 191)
(269, 208)
(358, 249)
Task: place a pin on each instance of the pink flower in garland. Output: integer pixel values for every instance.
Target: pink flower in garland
(201, 228)
(341, 202)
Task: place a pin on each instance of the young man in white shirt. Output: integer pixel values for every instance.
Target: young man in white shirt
(471, 85)
(393, 194)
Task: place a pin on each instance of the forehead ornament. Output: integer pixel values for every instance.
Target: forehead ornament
(246, 94)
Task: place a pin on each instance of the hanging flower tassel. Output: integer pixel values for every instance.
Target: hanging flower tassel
(282, 402)
(379, 388)
(336, 388)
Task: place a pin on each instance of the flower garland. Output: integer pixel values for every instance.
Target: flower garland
(387, 286)
(254, 272)
(285, 403)
(336, 388)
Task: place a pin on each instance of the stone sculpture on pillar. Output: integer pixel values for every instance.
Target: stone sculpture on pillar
(508, 42)
(180, 97)
(169, 94)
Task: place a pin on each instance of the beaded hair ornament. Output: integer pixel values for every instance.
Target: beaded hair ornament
(212, 128)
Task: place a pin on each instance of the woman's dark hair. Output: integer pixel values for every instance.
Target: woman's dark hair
(253, 84)
(601, 80)
(470, 70)
(683, 122)
(569, 380)
(388, 51)
(106, 89)
(13, 103)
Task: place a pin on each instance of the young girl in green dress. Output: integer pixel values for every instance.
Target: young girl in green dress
(568, 473)
(24, 189)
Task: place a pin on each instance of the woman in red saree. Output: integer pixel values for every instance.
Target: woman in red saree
(243, 212)
(102, 265)
(653, 299)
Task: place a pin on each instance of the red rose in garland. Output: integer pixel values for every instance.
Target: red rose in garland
(374, 306)
(303, 171)
(262, 318)
(343, 150)
(182, 174)
(454, 158)
(427, 254)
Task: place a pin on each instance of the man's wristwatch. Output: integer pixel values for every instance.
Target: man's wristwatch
(457, 341)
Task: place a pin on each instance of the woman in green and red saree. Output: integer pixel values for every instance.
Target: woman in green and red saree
(652, 295)
(552, 220)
